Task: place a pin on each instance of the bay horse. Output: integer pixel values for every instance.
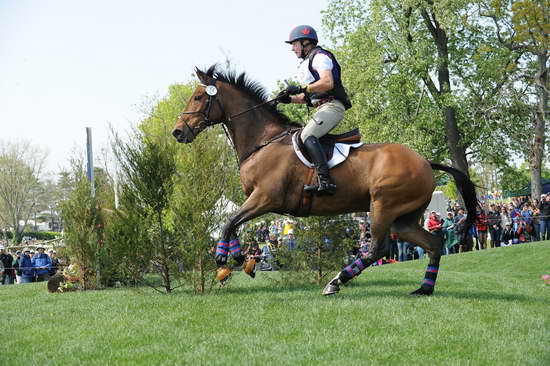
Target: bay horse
(391, 181)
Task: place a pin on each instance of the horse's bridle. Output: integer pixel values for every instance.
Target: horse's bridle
(207, 122)
(212, 91)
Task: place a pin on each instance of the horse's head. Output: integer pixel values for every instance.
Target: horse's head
(203, 109)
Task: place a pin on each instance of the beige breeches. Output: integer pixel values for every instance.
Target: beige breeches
(324, 119)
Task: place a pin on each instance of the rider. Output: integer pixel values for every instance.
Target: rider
(321, 87)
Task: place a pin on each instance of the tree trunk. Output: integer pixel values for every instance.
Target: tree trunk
(165, 259)
(537, 146)
(456, 147)
(202, 280)
(319, 269)
(456, 150)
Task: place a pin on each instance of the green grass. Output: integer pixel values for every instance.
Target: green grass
(490, 308)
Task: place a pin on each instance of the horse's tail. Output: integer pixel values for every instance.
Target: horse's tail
(467, 189)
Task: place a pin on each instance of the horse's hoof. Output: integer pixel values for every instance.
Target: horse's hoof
(250, 268)
(223, 275)
(333, 287)
(225, 281)
(422, 291)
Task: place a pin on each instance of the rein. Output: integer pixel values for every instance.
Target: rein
(263, 144)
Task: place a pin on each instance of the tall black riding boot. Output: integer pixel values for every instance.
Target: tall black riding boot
(317, 154)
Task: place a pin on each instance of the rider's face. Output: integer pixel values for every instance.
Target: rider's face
(297, 48)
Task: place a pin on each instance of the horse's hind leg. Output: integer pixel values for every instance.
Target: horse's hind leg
(380, 226)
(433, 244)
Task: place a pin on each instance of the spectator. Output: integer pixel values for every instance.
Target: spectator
(25, 265)
(253, 251)
(481, 227)
(55, 262)
(290, 241)
(494, 221)
(402, 248)
(515, 215)
(262, 234)
(544, 219)
(449, 233)
(536, 222)
(8, 274)
(434, 224)
(288, 227)
(522, 231)
(15, 265)
(505, 216)
(419, 251)
(42, 264)
(509, 235)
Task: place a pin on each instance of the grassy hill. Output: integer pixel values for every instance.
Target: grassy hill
(490, 308)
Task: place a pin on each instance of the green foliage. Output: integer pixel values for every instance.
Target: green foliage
(391, 65)
(531, 19)
(323, 245)
(173, 198)
(148, 165)
(81, 215)
(38, 235)
(449, 190)
(514, 179)
(21, 166)
(207, 181)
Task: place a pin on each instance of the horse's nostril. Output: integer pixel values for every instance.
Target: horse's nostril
(176, 133)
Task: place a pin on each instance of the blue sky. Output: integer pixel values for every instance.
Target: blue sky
(70, 64)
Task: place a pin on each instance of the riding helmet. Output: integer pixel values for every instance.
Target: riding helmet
(302, 32)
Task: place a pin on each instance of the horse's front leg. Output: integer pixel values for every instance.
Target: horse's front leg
(253, 207)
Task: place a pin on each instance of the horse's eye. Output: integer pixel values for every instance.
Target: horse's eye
(198, 97)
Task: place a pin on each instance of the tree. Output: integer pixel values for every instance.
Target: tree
(148, 175)
(206, 182)
(83, 235)
(523, 26)
(424, 73)
(21, 166)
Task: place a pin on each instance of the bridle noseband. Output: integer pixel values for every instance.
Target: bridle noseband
(211, 91)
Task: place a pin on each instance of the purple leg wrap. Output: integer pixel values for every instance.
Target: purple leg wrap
(430, 276)
(222, 249)
(353, 270)
(235, 247)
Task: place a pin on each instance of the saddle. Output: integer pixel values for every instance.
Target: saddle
(336, 147)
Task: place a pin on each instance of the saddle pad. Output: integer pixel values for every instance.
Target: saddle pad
(340, 153)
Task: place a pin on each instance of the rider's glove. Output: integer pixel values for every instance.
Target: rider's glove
(294, 89)
(283, 97)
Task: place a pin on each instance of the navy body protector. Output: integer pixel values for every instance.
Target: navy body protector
(338, 92)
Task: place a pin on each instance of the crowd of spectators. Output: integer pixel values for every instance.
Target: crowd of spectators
(27, 265)
(498, 224)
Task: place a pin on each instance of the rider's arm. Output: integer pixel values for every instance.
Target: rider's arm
(325, 83)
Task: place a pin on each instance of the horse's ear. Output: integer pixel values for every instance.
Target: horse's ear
(203, 77)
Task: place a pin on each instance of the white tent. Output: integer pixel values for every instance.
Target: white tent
(438, 203)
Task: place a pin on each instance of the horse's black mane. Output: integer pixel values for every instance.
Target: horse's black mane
(250, 87)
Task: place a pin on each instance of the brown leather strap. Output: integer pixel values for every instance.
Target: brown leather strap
(322, 101)
(306, 198)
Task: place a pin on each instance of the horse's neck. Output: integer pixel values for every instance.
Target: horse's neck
(252, 128)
